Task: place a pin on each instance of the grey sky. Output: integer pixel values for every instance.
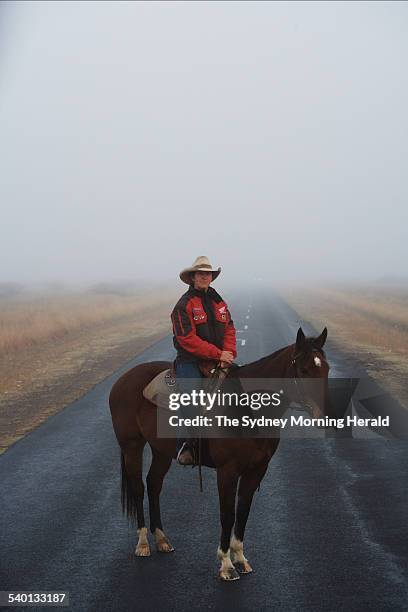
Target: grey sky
(271, 137)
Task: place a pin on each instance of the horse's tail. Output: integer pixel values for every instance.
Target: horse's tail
(131, 490)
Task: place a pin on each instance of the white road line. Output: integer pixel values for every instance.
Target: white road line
(243, 342)
(245, 326)
(247, 317)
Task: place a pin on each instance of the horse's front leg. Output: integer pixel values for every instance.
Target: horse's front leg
(227, 480)
(248, 484)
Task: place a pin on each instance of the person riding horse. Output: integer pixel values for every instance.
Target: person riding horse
(203, 331)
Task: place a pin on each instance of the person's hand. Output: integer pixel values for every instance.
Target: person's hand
(226, 358)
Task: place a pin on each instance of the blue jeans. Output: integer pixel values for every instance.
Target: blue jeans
(187, 374)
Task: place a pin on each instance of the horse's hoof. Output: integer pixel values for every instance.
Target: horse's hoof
(164, 546)
(243, 567)
(142, 550)
(229, 574)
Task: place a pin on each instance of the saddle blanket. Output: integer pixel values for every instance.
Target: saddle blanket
(160, 387)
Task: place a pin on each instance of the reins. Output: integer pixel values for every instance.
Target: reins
(295, 377)
(218, 375)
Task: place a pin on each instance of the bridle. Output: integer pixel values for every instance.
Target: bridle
(294, 366)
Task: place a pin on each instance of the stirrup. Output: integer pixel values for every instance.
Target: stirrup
(186, 448)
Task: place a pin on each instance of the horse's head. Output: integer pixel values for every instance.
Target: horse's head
(309, 361)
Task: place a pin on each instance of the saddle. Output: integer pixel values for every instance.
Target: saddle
(165, 382)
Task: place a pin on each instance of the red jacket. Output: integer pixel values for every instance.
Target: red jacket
(202, 326)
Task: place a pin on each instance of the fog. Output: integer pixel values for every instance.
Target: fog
(271, 137)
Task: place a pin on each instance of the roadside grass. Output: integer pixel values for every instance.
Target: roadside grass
(33, 320)
(370, 322)
(55, 347)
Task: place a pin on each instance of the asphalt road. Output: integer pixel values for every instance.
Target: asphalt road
(327, 531)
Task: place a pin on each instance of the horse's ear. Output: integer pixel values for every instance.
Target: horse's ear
(319, 342)
(300, 338)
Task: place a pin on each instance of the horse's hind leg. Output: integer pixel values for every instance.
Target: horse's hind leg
(133, 493)
(227, 480)
(158, 470)
(248, 484)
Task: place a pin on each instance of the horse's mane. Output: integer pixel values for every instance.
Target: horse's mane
(308, 346)
(267, 357)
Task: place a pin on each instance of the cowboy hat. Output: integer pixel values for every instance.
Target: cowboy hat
(201, 264)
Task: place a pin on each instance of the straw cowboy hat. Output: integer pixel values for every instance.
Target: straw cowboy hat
(201, 264)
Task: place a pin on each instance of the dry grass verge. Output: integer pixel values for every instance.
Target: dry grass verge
(371, 323)
(60, 347)
(26, 323)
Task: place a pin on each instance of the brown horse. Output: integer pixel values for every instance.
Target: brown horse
(240, 463)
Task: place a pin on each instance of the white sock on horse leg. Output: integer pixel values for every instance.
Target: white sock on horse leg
(142, 547)
(225, 559)
(237, 550)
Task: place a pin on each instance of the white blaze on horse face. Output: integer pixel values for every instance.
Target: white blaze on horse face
(318, 362)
